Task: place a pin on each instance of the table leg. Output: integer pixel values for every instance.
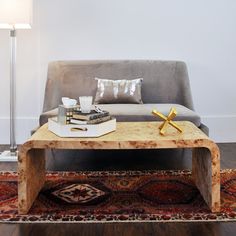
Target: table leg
(31, 170)
(206, 174)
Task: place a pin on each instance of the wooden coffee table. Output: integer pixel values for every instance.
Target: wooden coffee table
(128, 135)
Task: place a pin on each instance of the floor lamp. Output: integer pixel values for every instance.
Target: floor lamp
(14, 15)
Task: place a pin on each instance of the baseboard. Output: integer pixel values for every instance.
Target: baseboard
(7, 156)
(222, 128)
(24, 125)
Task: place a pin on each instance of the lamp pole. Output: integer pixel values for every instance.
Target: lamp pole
(13, 147)
(14, 15)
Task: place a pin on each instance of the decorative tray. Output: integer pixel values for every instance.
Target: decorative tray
(85, 130)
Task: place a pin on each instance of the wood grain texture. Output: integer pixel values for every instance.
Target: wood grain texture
(206, 174)
(120, 229)
(31, 170)
(129, 135)
(123, 229)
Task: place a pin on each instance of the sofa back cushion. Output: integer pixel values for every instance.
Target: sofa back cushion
(163, 81)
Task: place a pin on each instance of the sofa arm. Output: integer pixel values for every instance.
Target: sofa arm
(34, 130)
(43, 119)
(204, 129)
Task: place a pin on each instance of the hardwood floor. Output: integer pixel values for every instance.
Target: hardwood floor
(142, 161)
(121, 229)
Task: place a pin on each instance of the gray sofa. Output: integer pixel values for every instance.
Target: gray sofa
(165, 84)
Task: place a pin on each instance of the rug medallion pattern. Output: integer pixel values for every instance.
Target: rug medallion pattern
(118, 196)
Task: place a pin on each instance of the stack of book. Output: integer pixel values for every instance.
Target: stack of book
(93, 117)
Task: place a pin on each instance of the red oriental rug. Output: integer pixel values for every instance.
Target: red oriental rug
(118, 196)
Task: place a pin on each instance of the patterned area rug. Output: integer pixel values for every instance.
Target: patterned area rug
(168, 196)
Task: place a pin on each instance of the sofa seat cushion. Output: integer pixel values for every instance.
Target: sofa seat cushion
(138, 112)
(143, 112)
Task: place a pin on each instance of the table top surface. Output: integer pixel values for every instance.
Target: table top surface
(128, 135)
(133, 131)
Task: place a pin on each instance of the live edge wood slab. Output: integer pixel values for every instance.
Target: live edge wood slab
(128, 135)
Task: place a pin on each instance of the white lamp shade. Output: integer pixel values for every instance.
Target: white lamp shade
(15, 14)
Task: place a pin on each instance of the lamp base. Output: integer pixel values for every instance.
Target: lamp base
(8, 156)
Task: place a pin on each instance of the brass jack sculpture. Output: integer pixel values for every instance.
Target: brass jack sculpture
(167, 120)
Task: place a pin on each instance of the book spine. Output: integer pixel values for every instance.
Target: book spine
(90, 117)
(78, 122)
(98, 115)
(99, 120)
(94, 121)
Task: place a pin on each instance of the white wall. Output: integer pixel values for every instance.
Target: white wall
(201, 33)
